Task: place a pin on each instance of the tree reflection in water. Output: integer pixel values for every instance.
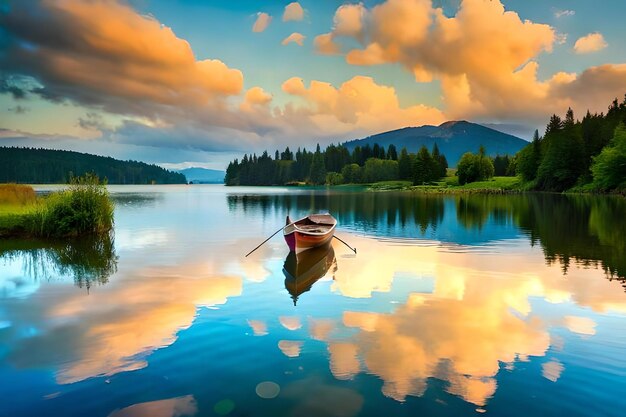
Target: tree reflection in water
(87, 260)
(586, 229)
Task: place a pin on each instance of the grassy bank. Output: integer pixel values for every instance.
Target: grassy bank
(83, 208)
(494, 185)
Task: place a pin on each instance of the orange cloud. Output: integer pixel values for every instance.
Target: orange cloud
(295, 37)
(349, 20)
(484, 56)
(256, 95)
(293, 11)
(107, 56)
(261, 23)
(358, 104)
(324, 44)
(592, 42)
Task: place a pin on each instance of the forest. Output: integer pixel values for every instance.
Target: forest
(45, 166)
(579, 155)
(585, 155)
(336, 165)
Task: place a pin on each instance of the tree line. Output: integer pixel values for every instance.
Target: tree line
(578, 153)
(45, 166)
(337, 165)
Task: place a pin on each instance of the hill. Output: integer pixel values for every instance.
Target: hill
(453, 139)
(45, 166)
(203, 175)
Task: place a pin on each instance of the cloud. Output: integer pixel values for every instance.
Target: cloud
(324, 44)
(92, 121)
(137, 66)
(295, 37)
(358, 103)
(19, 109)
(484, 56)
(349, 20)
(261, 23)
(592, 42)
(256, 95)
(293, 11)
(564, 13)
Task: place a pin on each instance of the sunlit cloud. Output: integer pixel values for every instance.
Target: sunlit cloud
(592, 42)
(295, 37)
(484, 56)
(324, 44)
(261, 23)
(293, 11)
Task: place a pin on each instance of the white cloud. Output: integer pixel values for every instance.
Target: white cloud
(564, 13)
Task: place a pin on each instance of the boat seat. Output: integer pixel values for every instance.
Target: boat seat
(313, 228)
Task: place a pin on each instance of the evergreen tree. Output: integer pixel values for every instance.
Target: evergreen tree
(317, 173)
(405, 169)
(392, 153)
(424, 167)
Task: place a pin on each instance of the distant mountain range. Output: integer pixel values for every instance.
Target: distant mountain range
(203, 175)
(453, 139)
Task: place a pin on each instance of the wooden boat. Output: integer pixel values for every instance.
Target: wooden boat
(309, 232)
(302, 270)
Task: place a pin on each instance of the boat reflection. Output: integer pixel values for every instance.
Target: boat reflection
(304, 269)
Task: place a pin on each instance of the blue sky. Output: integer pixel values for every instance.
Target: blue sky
(188, 82)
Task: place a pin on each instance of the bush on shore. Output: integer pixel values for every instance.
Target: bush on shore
(81, 209)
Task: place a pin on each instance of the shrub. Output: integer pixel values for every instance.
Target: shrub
(83, 208)
(334, 178)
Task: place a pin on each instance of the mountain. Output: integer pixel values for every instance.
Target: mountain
(453, 139)
(47, 166)
(203, 175)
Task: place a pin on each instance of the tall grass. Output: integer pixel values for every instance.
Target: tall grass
(83, 208)
(16, 194)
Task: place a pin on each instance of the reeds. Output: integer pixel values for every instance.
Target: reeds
(16, 194)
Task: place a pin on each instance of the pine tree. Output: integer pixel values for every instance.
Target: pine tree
(317, 173)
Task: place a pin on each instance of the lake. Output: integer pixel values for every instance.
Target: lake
(453, 305)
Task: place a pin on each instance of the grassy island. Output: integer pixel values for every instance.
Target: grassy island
(83, 208)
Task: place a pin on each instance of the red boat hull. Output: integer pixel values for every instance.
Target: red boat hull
(299, 241)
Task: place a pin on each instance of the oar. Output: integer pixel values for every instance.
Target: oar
(353, 249)
(273, 234)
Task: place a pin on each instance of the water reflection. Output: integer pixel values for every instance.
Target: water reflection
(185, 406)
(115, 328)
(421, 319)
(304, 269)
(88, 260)
(586, 230)
(466, 317)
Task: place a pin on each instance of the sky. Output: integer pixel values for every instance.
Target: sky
(198, 82)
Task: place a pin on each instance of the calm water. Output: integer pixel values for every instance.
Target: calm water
(506, 305)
